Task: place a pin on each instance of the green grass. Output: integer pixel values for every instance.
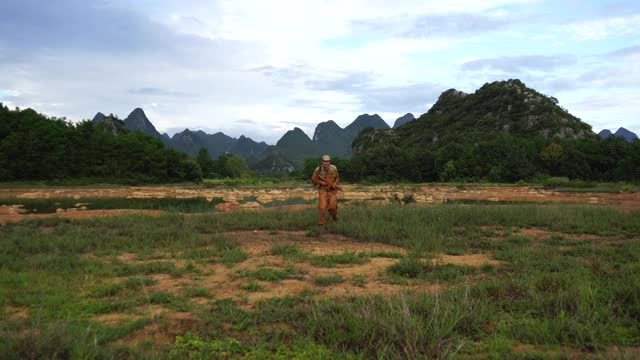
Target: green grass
(248, 182)
(287, 251)
(411, 267)
(331, 260)
(252, 286)
(385, 254)
(197, 292)
(50, 205)
(268, 274)
(560, 292)
(328, 280)
(230, 257)
(289, 201)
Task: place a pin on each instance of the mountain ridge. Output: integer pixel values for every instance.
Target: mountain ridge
(498, 107)
(629, 136)
(292, 148)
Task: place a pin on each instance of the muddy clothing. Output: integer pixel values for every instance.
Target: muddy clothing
(327, 181)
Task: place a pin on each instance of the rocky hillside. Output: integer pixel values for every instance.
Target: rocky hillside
(498, 107)
(110, 124)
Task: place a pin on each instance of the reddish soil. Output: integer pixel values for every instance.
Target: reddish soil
(233, 198)
(12, 216)
(223, 281)
(421, 193)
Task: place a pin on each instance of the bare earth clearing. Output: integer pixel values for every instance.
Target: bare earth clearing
(237, 198)
(229, 282)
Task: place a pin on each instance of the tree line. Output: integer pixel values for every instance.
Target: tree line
(495, 157)
(36, 147)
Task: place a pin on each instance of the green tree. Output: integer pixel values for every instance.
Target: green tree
(551, 156)
(449, 171)
(205, 162)
(236, 167)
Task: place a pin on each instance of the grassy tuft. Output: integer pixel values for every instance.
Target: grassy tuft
(328, 280)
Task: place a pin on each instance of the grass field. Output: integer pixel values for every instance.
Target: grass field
(473, 280)
(50, 205)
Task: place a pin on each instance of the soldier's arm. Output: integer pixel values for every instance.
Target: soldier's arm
(336, 181)
(316, 180)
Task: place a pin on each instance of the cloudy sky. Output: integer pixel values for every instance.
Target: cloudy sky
(260, 68)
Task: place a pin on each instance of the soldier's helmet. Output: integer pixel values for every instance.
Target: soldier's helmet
(326, 158)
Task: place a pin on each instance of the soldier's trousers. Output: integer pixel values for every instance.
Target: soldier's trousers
(328, 201)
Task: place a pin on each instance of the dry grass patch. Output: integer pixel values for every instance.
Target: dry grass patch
(17, 312)
(536, 234)
(475, 260)
(115, 318)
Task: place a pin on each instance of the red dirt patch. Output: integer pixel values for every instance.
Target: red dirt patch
(4, 218)
(164, 328)
(258, 242)
(223, 281)
(537, 233)
(168, 283)
(17, 312)
(114, 318)
(467, 260)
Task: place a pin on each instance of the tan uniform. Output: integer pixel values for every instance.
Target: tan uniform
(327, 181)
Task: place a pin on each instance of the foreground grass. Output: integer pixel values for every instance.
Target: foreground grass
(556, 295)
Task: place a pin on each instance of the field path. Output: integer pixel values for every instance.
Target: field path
(257, 197)
(421, 193)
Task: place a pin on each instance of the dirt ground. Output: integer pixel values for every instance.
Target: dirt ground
(230, 282)
(227, 282)
(236, 198)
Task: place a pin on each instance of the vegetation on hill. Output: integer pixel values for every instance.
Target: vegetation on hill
(504, 132)
(35, 147)
(226, 166)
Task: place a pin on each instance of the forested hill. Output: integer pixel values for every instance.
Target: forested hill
(504, 131)
(35, 147)
(500, 107)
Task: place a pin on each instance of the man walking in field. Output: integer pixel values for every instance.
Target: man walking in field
(326, 178)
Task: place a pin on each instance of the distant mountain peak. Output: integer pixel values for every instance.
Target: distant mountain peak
(605, 133)
(325, 130)
(626, 134)
(364, 121)
(621, 132)
(403, 120)
(137, 120)
(99, 117)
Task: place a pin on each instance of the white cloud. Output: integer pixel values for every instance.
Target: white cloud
(259, 68)
(599, 29)
(5, 93)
